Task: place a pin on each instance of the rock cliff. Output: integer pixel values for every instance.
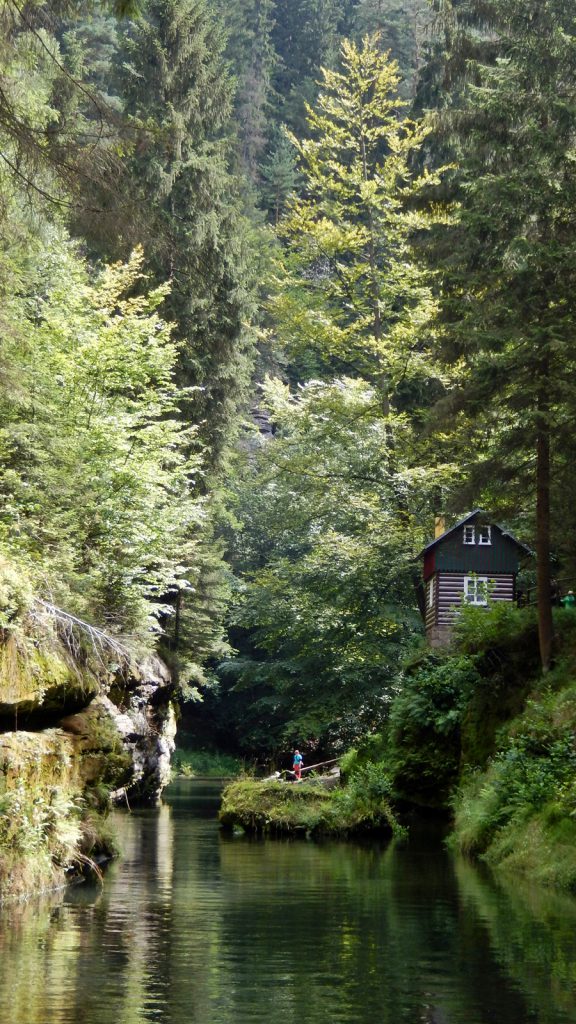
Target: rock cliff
(84, 722)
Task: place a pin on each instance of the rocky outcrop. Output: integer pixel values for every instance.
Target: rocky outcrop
(139, 726)
(83, 723)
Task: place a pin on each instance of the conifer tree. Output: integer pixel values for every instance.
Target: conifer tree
(279, 177)
(350, 287)
(306, 36)
(402, 28)
(507, 262)
(250, 50)
(184, 202)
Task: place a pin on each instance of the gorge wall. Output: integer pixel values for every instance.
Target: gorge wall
(84, 723)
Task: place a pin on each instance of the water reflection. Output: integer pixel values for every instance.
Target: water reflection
(196, 928)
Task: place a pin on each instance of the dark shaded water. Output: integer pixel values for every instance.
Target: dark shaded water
(196, 928)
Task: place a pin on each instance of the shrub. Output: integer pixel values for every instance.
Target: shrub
(215, 764)
(501, 625)
(425, 718)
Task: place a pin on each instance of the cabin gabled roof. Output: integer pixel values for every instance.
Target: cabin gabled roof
(462, 522)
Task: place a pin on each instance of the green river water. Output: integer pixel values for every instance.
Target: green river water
(193, 927)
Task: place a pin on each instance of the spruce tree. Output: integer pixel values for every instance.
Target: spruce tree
(507, 265)
(307, 35)
(184, 201)
(279, 177)
(250, 50)
(402, 28)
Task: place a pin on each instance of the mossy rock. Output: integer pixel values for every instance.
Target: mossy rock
(277, 808)
(34, 679)
(102, 756)
(40, 761)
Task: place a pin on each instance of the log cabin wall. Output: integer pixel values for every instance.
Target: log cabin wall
(451, 589)
(475, 561)
(448, 591)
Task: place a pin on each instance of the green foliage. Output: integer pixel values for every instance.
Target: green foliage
(216, 764)
(365, 800)
(96, 466)
(16, 594)
(424, 731)
(332, 506)
(184, 205)
(403, 29)
(348, 284)
(327, 593)
(506, 258)
(279, 177)
(371, 749)
(519, 812)
(502, 624)
(310, 808)
(306, 38)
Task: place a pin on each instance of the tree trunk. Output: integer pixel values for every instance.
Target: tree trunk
(545, 623)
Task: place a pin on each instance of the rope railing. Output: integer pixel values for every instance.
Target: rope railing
(310, 767)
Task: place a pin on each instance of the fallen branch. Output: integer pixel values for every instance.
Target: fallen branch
(68, 626)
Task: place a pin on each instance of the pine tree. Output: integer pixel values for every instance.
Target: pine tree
(279, 177)
(249, 25)
(306, 36)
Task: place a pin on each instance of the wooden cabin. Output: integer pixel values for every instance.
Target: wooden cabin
(474, 561)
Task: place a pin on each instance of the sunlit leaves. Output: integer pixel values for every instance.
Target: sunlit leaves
(98, 463)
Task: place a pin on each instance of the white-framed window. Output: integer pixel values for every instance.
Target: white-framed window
(469, 535)
(476, 589)
(431, 593)
(484, 534)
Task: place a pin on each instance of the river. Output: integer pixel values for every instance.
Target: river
(193, 927)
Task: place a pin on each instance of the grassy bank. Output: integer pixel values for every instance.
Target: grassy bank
(277, 808)
(475, 730)
(519, 812)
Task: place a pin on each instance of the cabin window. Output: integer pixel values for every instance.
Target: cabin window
(476, 589)
(431, 593)
(469, 535)
(484, 534)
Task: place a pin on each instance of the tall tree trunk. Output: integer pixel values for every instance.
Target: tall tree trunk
(545, 623)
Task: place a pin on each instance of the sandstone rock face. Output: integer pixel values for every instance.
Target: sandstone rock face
(41, 677)
(116, 728)
(83, 720)
(125, 736)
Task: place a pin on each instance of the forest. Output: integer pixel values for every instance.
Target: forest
(281, 284)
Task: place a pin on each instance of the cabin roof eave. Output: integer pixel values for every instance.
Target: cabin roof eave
(462, 522)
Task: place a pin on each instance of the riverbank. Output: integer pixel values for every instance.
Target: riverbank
(477, 731)
(477, 734)
(310, 808)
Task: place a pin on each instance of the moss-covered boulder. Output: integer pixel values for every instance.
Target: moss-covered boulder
(40, 675)
(83, 721)
(310, 808)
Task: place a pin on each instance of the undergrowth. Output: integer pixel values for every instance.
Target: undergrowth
(310, 808)
(47, 838)
(213, 764)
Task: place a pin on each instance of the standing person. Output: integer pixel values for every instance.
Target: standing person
(297, 765)
(569, 600)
